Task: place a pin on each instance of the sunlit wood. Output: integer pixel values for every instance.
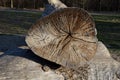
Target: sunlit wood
(66, 37)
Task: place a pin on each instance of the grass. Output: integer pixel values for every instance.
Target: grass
(108, 26)
(17, 22)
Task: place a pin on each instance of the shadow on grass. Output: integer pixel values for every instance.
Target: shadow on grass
(10, 44)
(8, 41)
(28, 54)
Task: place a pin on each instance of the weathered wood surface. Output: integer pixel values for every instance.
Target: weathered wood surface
(103, 66)
(66, 37)
(22, 64)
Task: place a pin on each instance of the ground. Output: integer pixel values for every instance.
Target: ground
(108, 27)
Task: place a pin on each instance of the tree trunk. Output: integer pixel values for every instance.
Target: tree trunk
(34, 3)
(4, 3)
(101, 66)
(21, 64)
(68, 40)
(23, 4)
(118, 5)
(99, 5)
(12, 4)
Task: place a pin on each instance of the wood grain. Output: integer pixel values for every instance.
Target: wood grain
(66, 37)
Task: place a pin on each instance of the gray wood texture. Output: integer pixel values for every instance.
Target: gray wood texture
(66, 37)
(22, 64)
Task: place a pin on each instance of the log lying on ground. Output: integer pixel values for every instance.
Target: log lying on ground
(22, 64)
(103, 66)
(66, 37)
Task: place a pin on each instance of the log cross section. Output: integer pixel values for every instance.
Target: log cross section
(66, 37)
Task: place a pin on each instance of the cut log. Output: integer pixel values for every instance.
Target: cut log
(22, 64)
(101, 67)
(66, 37)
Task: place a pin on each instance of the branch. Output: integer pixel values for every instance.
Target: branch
(51, 5)
(57, 4)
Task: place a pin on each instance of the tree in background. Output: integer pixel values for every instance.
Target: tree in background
(118, 5)
(34, 2)
(4, 3)
(91, 5)
(12, 5)
(19, 3)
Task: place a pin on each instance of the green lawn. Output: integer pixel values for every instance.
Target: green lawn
(108, 29)
(17, 22)
(108, 26)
